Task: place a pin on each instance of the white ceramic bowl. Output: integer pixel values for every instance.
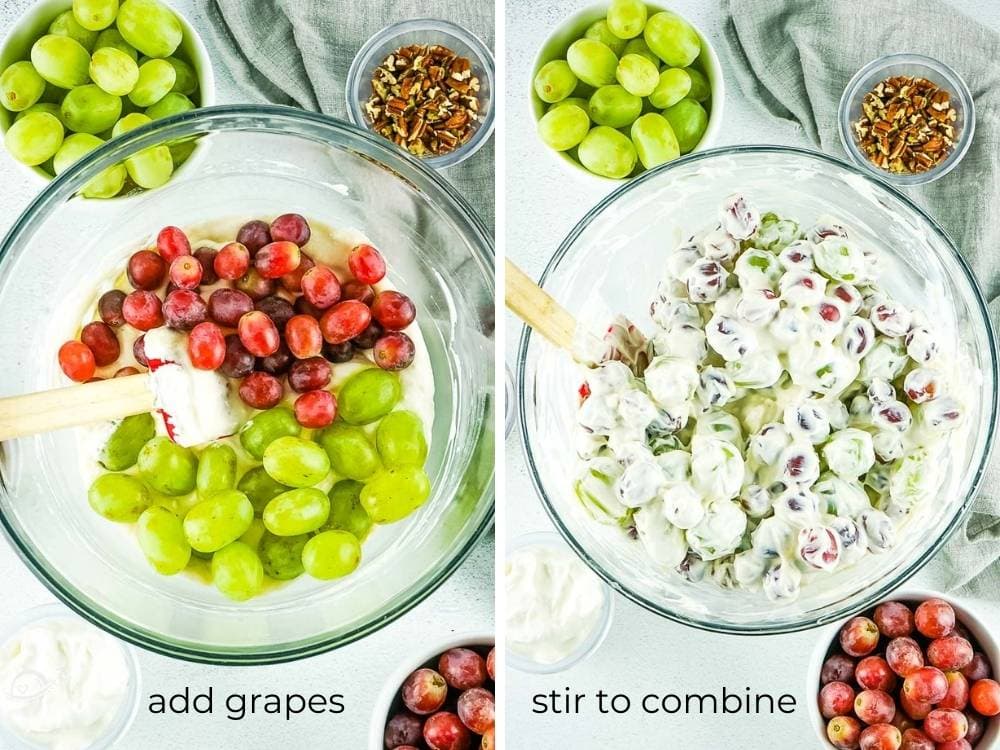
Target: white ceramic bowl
(572, 28)
(389, 700)
(973, 621)
(35, 22)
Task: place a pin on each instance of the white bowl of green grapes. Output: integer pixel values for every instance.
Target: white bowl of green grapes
(623, 87)
(76, 73)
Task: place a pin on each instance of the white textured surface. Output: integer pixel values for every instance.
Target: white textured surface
(643, 653)
(463, 604)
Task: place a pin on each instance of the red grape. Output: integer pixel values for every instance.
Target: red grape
(207, 346)
(124, 372)
(934, 618)
(462, 668)
(109, 307)
(915, 710)
(278, 362)
(985, 697)
(139, 351)
(293, 281)
(277, 309)
(962, 744)
(424, 691)
(260, 390)
(837, 668)
(102, 340)
(950, 653)
(404, 729)
(344, 321)
(309, 374)
(315, 409)
(303, 336)
(184, 309)
(489, 741)
(858, 637)
(185, 272)
(476, 709)
(491, 663)
(77, 361)
(394, 351)
(957, 696)
(305, 307)
(258, 334)
(361, 292)
(978, 668)
(232, 261)
(366, 264)
(277, 259)
(238, 362)
(291, 228)
(894, 619)
(394, 310)
(343, 352)
(254, 235)
(367, 338)
(874, 707)
(873, 673)
(914, 739)
(172, 243)
(904, 656)
(206, 257)
(143, 310)
(844, 732)
(445, 731)
(227, 306)
(255, 285)
(926, 685)
(880, 737)
(321, 287)
(945, 725)
(146, 270)
(977, 727)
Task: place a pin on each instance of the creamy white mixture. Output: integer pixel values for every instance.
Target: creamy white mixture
(784, 419)
(62, 683)
(554, 602)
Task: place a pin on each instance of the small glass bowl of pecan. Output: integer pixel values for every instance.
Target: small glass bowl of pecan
(426, 85)
(909, 119)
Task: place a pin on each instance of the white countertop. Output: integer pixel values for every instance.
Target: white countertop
(463, 604)
(643, 652)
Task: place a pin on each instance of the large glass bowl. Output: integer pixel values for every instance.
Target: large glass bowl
(610, 264)
(252, 161)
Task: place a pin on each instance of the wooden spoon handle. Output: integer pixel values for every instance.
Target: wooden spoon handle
(74, 405)
(536, 308)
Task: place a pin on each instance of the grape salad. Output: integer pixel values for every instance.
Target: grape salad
(783, 420)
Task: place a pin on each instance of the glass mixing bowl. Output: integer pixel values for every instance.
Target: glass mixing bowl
(610, 264)
(252, 161)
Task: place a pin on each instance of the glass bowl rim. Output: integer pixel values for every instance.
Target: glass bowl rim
(368, 145)
(853, 90)
(486, 60)
(877, 592)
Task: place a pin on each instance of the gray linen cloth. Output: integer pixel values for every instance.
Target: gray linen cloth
(795, 57)
(298, 52)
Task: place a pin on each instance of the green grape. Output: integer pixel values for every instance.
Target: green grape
(331, 554)
(296, 462)
(61, 61)
(118, 497)
(672, 86)
(48, 107)
(122, 449)
(236, 570)
(151, 167)
(105, 185)
(95, 14)
(187, 79)
(637, 75)
(65, 24)
(393, 494)
(171, 104)
(297, 512)
(161, 539)
(599, 31)
(167, 467)
(368, 395)
(20, 86)
(257, 485)
(213, 523)
(672, 39)
(35, 138)
(156, 78)
(578, 101)
(216, 470)
(563, 127)
(346, 511)
(400, 439)
(254, 534)
(181, 150)
(614, 106)
(351, 452)
(626, 18)
(267, 427)
(654, 140)
(592, 61)
(113, 38)
(608, 152)
(688, 120)
(638, 46)
(554, 81)
(282, 555)
(700, 87)
(113, 70)
(88, 109)
(129, 122)
(583, 91)
(150, 27)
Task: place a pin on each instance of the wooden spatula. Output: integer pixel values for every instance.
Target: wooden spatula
(535, 307)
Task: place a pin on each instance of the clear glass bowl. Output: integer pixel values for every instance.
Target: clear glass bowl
(909, 65)
(253, 161)
(425, 31)
(610, 264)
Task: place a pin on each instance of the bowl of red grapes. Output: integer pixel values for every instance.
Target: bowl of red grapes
(917, 672)
(446, 702)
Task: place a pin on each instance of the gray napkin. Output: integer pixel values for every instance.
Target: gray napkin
(298, 52)
(795, 57)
